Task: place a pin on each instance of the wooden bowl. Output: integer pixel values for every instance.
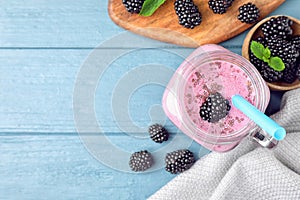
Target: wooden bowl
(256, 32)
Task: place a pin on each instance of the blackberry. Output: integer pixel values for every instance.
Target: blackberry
(290, 73)
(249, 13)
(133, 6)
(214, 108)
(253, 59)
(298, 74)
(283, 49)
(298, 69)
(288, 53)
(179, 161)
(220, 6)
(158, 133)
(269, 74)
(296, 42)
(278, 27)
(188, 13)
(140, 161)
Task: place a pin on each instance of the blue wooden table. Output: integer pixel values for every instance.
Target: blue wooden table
(70, 114)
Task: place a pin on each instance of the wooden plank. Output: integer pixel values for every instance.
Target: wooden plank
(59, 167)
(69, 24)
(54, 23)
(37, 87)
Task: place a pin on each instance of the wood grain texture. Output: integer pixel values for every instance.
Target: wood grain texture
(42, 47)
(59, 167)
(37, 90)
(55, 23)
(163, 24)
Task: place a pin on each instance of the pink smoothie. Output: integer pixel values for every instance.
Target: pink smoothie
(228, 80)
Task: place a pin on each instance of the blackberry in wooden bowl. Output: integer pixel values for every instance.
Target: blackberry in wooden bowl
(273, 47)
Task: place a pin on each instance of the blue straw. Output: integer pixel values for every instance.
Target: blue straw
(262, 120)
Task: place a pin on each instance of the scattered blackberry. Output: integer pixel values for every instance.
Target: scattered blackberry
(179, 161)
(220, 6)
(269, 74)
(278, 27)
(253, 59)
(249, 13)
(140, 161)
(214, 108)
(296, 41)
(133, 6)
(158, 133)
(188, 13)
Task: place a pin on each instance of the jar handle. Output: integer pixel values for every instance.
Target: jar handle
(263, 139)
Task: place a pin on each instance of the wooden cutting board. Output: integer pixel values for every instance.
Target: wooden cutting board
(163, 24)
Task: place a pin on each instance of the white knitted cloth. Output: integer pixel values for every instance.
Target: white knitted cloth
(248, 171)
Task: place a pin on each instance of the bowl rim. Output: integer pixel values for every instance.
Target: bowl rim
(245, 53)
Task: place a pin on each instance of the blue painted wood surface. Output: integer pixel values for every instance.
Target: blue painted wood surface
(43, 46)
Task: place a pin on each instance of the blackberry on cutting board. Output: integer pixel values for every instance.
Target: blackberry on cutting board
(214, 108)
(277, 27)
(140, 161)
(158, 133)
(188, 13)
(179, 161)
(248, 13)
(220, 6)
(133, 6)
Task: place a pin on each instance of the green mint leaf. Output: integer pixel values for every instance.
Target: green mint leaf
(257, 49)
(277, 64)
(267, 53)
(150, 6)
(265, 59)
